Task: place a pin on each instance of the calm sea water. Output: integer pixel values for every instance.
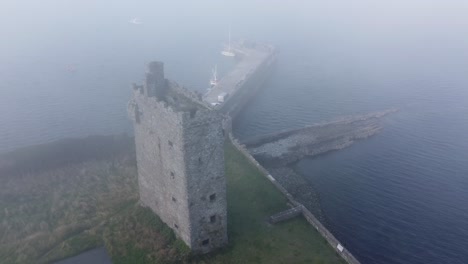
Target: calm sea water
(399, 197)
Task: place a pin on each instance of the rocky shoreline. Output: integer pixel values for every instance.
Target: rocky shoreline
(286, 147)
(278, 152)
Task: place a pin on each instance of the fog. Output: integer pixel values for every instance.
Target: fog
(63, 27)
(49, 22)
(43, 40)
(66, 68)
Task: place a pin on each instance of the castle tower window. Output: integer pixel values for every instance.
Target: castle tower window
(205, 242)
(170, 143)
(213, 219)
(137, 114)
(176, 226)
(213, 197)
(192, 113)
(174, 199)
(172, 175)
(200, 161)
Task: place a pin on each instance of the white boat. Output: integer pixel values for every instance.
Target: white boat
(228, 50)
(214, 78)
(135, 21)
(222, 97)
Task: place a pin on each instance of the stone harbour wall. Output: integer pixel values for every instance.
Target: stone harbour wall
(339, 248)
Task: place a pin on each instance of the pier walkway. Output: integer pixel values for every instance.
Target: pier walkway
(251, 57)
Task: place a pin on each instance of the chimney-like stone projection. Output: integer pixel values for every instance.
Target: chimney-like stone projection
(155, 84)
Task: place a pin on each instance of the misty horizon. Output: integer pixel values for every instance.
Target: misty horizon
(66, 70)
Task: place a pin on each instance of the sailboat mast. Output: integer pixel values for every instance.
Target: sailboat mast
(228, 50)
(215, 73)
(229, 45)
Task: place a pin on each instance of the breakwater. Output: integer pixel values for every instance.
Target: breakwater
(278, 152)
(286, 147)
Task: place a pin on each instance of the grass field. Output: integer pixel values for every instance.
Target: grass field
(251, 199)
(54, 213)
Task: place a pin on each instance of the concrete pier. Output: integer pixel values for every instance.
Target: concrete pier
(240, 84)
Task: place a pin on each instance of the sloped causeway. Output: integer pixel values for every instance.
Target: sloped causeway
(286, 147)
(278, 152)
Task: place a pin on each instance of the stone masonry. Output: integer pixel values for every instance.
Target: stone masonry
(180, 157)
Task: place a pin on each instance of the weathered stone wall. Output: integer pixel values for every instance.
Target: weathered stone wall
(180, 157)
(161, 167)
(204, 156)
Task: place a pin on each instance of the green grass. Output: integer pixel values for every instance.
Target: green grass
(251, 200)
(60, 212)
(139, 236)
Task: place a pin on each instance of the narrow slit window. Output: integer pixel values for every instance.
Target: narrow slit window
(213, 197)
(137, 114)
(213, 219)
(137, 117)
(170, 143)
(206, 242)
(192, 113)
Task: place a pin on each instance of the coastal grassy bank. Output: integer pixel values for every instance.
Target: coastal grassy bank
(62, 198)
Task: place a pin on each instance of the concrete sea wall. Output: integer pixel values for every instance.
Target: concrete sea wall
(336, 245)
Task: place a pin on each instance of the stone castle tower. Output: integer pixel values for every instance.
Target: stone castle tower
(180, 158)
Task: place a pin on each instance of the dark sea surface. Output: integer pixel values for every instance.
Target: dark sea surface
(398, 197)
